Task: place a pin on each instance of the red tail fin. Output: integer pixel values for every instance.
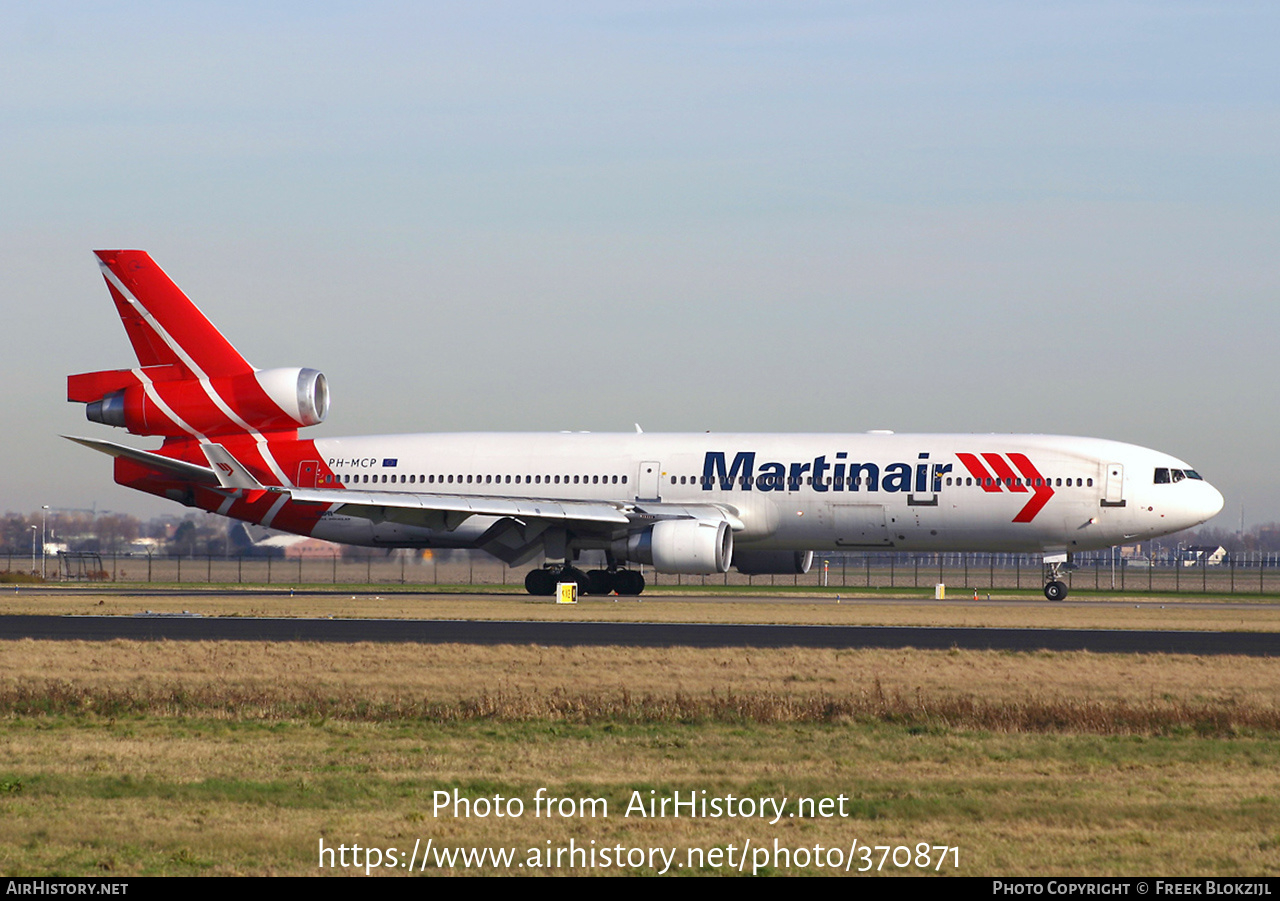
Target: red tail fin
(191, 383)
(164, 326)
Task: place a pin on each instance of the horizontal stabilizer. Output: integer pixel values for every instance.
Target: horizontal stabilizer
(191, 472)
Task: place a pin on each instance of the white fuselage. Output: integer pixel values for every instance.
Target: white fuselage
(1034, 493)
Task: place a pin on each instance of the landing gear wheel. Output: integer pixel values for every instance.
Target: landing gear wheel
(599, 581)
(628, 582)
(573, 574)
(1055, 590)
(540, 583)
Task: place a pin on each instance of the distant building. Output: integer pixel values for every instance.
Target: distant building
(1204, 555)
(294, 547)
(257, 541)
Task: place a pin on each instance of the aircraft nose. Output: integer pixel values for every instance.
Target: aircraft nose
(1213, 501)
(1206, 503)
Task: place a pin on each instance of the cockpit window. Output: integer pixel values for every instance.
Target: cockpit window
(1164, 475)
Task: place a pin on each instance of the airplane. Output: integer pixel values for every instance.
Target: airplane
(679, 503)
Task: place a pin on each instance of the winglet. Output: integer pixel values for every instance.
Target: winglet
(230, 472)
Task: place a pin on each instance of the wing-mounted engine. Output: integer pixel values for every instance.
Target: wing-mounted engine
(690, 546)
(165, 401)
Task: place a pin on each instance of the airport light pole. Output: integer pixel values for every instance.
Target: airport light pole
(33, 550)
(44, 512)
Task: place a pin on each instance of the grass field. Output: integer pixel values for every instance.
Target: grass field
(190, 795)
(236, 757)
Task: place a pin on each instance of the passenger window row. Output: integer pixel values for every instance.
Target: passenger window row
(442, 479)
(1162, 475)
(858, 481)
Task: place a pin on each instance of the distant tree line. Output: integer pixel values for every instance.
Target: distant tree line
(106, 533)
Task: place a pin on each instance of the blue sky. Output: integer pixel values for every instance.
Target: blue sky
(1046, 217)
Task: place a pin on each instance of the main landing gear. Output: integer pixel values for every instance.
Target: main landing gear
(1054, 588)
(626, 582)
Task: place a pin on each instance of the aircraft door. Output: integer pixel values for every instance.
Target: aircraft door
(1114, 496)
(647, 481)
(307, 470)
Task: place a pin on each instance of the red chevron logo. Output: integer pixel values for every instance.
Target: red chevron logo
(1005, 478)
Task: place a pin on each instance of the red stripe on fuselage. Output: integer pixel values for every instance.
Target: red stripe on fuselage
(1006, 476)
(289, 453)
(979, 472)
(1004, 471)
(1039, 484)
(301, 519)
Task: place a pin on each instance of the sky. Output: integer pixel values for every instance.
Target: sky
(793, 216)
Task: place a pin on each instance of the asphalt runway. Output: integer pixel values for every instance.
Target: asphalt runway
(178, 627)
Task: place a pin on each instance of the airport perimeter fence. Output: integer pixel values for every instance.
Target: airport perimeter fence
(1257, 573)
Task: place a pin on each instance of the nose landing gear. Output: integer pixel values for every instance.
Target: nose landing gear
(1054, 588)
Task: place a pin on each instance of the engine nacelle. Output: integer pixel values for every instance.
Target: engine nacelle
(266, 400)
(769, 563)
(302, 393)
(692, 546)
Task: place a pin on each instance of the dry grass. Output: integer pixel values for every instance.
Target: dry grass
(1032, 714)
(1046, 691)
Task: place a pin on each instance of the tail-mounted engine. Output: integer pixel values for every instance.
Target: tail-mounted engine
(163, 400)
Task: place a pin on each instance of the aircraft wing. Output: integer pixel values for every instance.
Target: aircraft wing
(449, 510)
(514, 528)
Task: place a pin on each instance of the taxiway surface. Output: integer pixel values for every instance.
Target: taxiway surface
(178, 627)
